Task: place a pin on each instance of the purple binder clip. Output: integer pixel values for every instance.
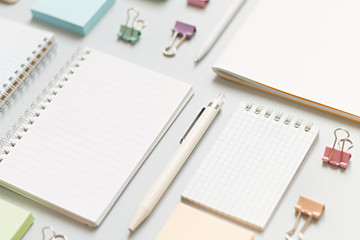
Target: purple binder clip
(184, 31)
(198, 3)
(335, 156)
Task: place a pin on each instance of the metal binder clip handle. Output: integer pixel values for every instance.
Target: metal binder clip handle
(308, 207)
(338, 157)
(58, 236)
(327, 159)
(128, 19)
(345, 156)
(182, 29)
(308, 220)
(131, 33)
(166, 50)
(54, 235)
(142, 25)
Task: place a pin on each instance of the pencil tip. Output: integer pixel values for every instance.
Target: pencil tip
(196, 60)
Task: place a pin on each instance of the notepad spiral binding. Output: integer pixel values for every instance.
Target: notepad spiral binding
(21, 75)
(278, 116)
(45, 98)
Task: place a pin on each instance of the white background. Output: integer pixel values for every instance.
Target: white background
(338, 189)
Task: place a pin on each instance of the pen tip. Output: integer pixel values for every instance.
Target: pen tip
(221, 96)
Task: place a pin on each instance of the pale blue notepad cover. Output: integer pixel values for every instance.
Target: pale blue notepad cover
(78, 16)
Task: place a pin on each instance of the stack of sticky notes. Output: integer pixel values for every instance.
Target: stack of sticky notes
(14, 221)
(78, 16)
(188, 222)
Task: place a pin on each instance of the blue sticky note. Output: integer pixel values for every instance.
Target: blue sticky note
(78, 16)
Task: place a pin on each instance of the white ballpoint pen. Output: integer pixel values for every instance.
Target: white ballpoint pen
(187, 145)
(219, 28)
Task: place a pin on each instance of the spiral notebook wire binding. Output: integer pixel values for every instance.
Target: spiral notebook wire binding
(278, 116)
(24, 72)
(41, 102)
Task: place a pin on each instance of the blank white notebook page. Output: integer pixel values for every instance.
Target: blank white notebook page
(251, 165)
(305, 48)
(83, 149)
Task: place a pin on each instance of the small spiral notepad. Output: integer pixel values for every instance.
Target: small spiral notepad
(251, 164)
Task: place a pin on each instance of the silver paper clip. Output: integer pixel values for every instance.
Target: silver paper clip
(131, 33)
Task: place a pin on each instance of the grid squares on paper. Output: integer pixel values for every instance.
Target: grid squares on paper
(250, 166)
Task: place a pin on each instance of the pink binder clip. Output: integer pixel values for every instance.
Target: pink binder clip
(198, 3)
(335, 156)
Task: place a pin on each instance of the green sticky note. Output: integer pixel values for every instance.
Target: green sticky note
(14, 221)
(78, 16)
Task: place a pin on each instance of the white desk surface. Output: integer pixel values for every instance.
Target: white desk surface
(338, 189)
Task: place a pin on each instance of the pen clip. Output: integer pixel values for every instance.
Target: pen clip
(192, 124)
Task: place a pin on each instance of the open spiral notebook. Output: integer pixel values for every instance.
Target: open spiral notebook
(251, 164)
(86, 135)
(22, 49)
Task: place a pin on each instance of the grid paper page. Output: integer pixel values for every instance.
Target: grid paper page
(17, 43)
(250, 166)
(83, 149)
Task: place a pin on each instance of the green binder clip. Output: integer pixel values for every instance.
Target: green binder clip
(131, 33)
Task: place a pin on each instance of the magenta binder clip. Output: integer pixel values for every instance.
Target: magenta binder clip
(198, 3)
(185, 31)
(338, 157)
